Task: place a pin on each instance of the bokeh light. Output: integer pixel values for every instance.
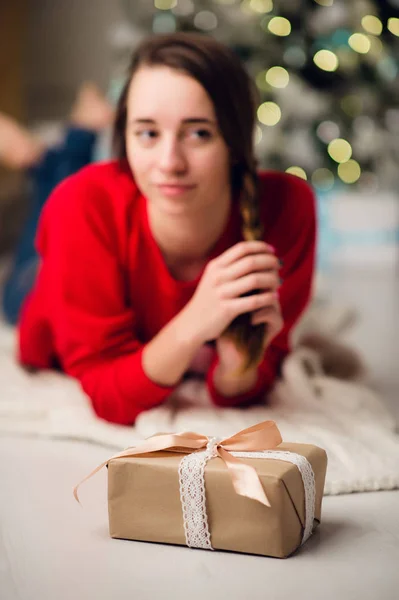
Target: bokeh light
(277, 77)
(387, 68)
(325, 2)
(269, 113)
(350, 171)
(323, 179)
(205, 20)
(164, 23)
(372, 24)
(340, 150)
(363, 124)
(393, 25)
(258, 134)
(376, 46)
(279, 26)
(352, 105)
(327, 131)
(326, 60)
(348, 60)
(295, 56)
(359, 42)
(298, 171)
(165, 4)
(261, 6)
(184, 8)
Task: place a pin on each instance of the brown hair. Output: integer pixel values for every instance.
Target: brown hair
(234, 97)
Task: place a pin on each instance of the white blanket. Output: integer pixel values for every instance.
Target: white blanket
(348, 419)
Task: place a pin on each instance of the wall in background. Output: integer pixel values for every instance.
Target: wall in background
(67, 43)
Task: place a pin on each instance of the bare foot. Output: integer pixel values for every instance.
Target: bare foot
(91, 109)
(19, 149)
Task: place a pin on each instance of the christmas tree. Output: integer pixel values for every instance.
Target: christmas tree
(326, 72)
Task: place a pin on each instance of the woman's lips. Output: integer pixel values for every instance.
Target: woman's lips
(174, 190)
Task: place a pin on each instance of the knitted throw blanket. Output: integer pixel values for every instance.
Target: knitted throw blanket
(346, 418)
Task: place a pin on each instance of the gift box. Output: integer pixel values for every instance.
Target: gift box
(217, 496)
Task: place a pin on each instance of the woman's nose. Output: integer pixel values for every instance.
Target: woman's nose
(172, 158)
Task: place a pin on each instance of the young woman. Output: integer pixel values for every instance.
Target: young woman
(167, 259)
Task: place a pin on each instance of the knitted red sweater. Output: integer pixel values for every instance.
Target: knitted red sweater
(103, 289)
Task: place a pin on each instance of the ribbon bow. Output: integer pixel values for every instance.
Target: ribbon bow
(246, 482)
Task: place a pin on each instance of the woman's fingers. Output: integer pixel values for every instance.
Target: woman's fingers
(255, 281)
(252, 263)
(251, 303)
(242, 249)
(269, 314)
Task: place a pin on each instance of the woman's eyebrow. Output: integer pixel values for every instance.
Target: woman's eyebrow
(189, 120)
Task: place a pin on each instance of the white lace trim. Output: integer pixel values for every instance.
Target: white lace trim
(306, 471)
(192, 496)
(192, 490)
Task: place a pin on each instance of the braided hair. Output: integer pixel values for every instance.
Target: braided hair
(249, 339)
(220, 72)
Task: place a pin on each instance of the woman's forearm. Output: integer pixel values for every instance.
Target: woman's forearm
(168, 355)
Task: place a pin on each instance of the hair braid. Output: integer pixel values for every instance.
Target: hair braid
(249, 339)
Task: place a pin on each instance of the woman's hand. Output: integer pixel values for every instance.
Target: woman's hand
(231, 359)
(271, 315)
(243, 268)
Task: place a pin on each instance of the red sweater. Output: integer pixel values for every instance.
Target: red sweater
(103, 289)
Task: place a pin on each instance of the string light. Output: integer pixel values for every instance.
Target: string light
(326, 60)
(165, 4)
(372, 24)
(350, 171)
(279, 26)
(298, 171)
(323, 179)
(269, 113)
(277, 77)
(393, 25)
(340, 150)
(359, 43)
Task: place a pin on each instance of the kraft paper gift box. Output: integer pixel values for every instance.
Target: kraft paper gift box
(190, 498)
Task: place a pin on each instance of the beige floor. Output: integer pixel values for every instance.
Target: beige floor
(52, 548)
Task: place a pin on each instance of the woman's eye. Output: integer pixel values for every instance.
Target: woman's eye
(146, 134)
(202, 134)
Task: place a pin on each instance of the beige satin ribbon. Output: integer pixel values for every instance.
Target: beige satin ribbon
(246, 482)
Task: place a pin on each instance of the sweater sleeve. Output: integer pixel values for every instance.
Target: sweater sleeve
(294, 237)
(94, 327)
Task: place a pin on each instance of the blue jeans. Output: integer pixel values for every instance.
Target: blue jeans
(55, 165)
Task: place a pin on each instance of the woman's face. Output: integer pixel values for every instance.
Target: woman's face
(177, 154)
